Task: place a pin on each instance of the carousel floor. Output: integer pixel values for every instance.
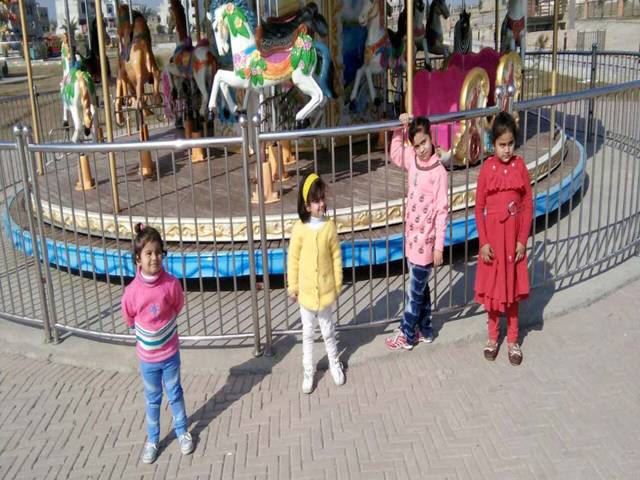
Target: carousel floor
(205, 202)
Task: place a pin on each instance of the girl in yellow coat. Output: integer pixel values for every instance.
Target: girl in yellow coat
(314, 270)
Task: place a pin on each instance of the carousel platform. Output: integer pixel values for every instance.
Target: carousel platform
(201, 207)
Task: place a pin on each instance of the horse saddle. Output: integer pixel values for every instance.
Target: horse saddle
(280, 33)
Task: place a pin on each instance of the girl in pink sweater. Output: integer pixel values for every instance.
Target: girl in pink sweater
(426, 210)
(151, 304)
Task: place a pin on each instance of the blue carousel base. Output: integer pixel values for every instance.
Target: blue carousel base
(212, 264)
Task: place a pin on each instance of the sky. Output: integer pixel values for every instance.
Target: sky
(50, 4)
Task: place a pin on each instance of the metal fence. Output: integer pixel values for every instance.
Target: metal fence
(578, 71)
(586, 166)
(585, 40)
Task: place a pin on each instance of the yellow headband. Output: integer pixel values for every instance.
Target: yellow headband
(307, 186)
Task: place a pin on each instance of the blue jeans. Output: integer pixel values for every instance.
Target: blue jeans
(417, 305)
(153, 376)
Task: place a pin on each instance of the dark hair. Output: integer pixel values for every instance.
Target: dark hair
(503, 123)
(145, 234)
(419, 124)
(316, 193)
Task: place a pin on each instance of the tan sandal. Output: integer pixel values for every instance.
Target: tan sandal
(515, 354)
(491, 350)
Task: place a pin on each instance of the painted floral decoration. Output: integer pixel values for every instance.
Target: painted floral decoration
(304, 54)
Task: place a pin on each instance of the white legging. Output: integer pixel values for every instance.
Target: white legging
(308, 333)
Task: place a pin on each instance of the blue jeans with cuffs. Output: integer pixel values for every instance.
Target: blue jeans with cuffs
(154, 375)
(417, 305)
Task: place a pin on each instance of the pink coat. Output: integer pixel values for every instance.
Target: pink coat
(426, 205)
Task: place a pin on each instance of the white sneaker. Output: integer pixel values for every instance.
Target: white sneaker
(149, 453)
(307, 380)
(186, 443)
(337, 372)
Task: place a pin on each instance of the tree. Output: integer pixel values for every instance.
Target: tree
(70, 27)
(147, 12)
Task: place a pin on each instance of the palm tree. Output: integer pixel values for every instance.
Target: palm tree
(70, 27)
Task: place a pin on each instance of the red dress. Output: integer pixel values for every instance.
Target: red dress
(503, 217)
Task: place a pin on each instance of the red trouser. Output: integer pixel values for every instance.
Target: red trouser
(512, 324)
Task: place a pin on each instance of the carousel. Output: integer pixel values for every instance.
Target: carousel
(312, 72)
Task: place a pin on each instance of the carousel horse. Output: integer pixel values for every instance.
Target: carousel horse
(512, 32)
(462, 37)
(77, 91)
(379, 52)
(281, 49)
(189, 64)
(137, 64)
(435, 41)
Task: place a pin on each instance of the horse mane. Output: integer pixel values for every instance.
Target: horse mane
(248, 11)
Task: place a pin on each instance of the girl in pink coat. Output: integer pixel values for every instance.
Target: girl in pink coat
(426, 210)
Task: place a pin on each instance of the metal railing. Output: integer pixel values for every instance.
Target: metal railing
(231, 254)
(578, 71)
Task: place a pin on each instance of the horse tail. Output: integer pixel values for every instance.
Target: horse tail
(166, 91)
(85, 98)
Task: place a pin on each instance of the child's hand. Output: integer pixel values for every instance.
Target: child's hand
(520, 249)
(405, 119)
(486, 253)
(437, 258)
(293, 297)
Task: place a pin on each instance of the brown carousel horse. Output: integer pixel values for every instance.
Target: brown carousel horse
(137, 64)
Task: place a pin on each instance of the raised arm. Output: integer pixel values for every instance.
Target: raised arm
(400, 154)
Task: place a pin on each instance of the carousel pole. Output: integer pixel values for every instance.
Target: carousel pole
(496, 30)
(35, 120)
(196, 14)
(130, 12)
(410, 59)
(107, 105)
(70, 34)
(554, 56)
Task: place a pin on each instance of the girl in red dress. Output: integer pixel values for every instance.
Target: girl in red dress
(503, 217)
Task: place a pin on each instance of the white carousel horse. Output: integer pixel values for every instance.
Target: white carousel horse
(378, 53)
(512, 33)
(78, 98)
(286, 51)
(462, 37)
(77, 92)
(435, 39)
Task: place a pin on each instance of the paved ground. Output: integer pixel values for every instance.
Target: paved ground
(570, 411)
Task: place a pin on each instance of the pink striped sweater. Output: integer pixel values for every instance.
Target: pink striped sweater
(152, 308)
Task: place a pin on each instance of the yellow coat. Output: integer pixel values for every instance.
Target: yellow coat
(314, 265)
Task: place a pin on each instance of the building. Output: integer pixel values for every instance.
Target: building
(43, 18)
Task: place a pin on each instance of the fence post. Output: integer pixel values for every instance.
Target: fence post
(22, 154)
(31, 165)
(255, 120)
(257, 351)
(592, 83)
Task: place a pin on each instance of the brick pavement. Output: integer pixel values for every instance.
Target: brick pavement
(570, 411)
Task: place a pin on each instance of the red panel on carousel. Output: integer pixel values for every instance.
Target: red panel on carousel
(437, 93)
(486, 58)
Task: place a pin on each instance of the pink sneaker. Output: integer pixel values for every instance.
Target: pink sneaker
(398, 340)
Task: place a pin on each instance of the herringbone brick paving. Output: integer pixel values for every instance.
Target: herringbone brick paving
(572, 410)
